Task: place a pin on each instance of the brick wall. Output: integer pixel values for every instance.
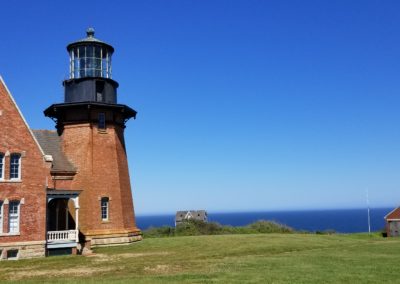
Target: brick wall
(30, 191)
(100, 158)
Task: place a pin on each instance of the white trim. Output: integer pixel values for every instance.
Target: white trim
(107, 208)
(10, 234)
(27, 243)
(21, 115)
(18, 218)
(19, 178)
(188, 215)
(10, 181)
(3, 166)
(1, 216)
(391, 212)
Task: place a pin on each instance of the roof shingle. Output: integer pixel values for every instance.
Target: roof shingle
(51, 145)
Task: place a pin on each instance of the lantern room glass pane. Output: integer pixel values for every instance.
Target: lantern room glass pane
(89, 51)
(97, 51)
(97, 63)
(81, 51)
(76, 52)
(90, 61)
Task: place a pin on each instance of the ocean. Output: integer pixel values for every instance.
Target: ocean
(341, 221)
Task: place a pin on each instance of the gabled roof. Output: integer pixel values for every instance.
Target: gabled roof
(51, 145)
(190, 214)
(394, 214)
(7, 92)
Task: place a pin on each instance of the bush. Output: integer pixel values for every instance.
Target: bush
(326, 232)
(196, 227)
(264, 227)
(154, 232)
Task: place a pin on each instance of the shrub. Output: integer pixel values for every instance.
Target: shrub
(326, 232)
(263, 226)
(196, 227)
(156, 232)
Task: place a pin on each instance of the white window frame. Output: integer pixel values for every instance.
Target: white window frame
(18, 217)
(105, 205)
(1, 216)
(19, 166)
(2, 161)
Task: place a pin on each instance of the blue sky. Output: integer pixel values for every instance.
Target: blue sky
(242, 105)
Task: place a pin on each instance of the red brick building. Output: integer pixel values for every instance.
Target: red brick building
(69, 189)
(393, 223)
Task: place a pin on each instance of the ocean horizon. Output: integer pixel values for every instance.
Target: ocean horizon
(339, 220)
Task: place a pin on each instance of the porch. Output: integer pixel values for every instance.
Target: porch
(62, 219)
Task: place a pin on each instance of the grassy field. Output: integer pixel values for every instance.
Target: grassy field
(256, 258)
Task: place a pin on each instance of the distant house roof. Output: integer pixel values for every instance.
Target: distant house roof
(51, 145)
(191, 214)
(394, 214)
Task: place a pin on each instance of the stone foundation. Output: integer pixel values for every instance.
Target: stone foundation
(100, 241)
(24, 250)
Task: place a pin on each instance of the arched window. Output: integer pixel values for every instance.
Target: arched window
(104, 208)
(15, 166)
(1, 166)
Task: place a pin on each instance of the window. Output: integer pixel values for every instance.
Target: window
(13, 217)
(104, 208)
(12, 254)
(1, 218)
(15, 167)
(1, 166)
(100, 91)
(102, 121)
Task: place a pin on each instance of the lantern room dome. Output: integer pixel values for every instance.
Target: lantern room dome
(90, 57)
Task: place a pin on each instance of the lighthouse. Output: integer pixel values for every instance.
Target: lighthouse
(90, 124)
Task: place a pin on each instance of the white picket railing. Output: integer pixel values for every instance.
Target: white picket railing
(60, 236)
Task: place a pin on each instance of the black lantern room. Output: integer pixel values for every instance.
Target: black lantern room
(90, 84)
(90, 57)
(90, 71)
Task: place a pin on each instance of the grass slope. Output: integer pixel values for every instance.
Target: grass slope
(257, 258)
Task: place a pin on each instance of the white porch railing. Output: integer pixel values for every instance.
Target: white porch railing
(62, 236)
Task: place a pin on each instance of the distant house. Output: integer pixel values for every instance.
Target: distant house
(181, 216)
(393, 223)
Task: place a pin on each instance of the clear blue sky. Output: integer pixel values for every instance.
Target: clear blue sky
(242, 105)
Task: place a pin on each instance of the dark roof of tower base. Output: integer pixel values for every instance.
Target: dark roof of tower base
(55, 109)
(51, 145)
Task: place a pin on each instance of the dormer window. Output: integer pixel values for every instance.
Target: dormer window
(15, 166)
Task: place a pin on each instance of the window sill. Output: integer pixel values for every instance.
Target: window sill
(102, 131)
(10, 180)
(105, 221)
(9, 234)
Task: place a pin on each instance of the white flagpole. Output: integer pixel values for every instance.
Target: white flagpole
(369, 219)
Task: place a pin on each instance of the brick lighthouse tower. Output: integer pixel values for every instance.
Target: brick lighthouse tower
(91, 126)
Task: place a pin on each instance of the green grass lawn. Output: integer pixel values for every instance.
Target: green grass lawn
(256, 258)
